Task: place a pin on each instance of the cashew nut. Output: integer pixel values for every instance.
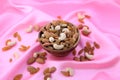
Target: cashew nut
(29, 29)
(85, 29)
(70, 70)
(57, 27)
(51, 27)
(89, 56)
(65, 30)
(43, 35)
(12, 43)
(63, 25)
(80, 16)
(58, 47)
(62, 36)
(48, 78)
(51, 39)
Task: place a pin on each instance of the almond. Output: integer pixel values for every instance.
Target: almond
(31, 60)
(40, 60)
(96, 45)
(32, 70)
(65, 73)
(18, 77)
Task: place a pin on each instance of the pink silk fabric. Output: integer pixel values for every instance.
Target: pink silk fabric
(17, 15)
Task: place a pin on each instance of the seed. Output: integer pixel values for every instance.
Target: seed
(16, 55)
(18, 77)
(66, 30)
(9, 40)
(59, 17)
(24, 48)
(52, 69)
(57, 27)
(35, 55)
(51, 39)
(32, 69)
(80, 16)
(88, 46)
(70, 70)
(58, 47)
(82, 58)
(29, 29)
(80, 26)
(10, 60)
(74, 52)
(31, 60)
(46, 71)
(85, 31)
(48, 75)
(6, 48)
(76, 58)
(81, 51)
(16, 35)
(47, 44)
(65, 73)
(12, 43)
(36, 28)
(96, 45)
(89, 56)
(87, 16)
(62, 36)
(40, 60)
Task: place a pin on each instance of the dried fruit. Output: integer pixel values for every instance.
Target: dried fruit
(46, 71)
(18, 77)
(85, 31)
(80, 26)
(96, 45)
(24, 48)
(29, 29)
(76, 58)
(62, 36)
(32, 70)
(6, 48)
(16, 55)
(58, 47)
(37, 28)
(7, 41)
(11, 43)
(31, 60)
(65, 73)
(74, 52)
(10, 60)
(52, 69)
(51, 39)
(87, 16)
(80, 51)
(82, 58)
(89, 56)
(40, 60)
(16, 35)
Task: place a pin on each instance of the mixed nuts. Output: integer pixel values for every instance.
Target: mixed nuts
(59, 37)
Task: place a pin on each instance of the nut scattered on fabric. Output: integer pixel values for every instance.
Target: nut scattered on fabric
(17, 35)
(18, 77)
(24, 48)
(32, 70)
(48, 72)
